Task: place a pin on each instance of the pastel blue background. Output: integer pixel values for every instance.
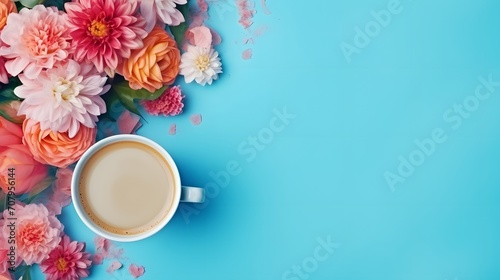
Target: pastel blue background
(323, 175)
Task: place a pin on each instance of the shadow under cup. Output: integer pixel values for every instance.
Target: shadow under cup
(126, 187)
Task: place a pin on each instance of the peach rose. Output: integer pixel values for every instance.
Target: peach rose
(27, 171)
(6, 7)
(10, 133)
(56, 148)
(155, 65)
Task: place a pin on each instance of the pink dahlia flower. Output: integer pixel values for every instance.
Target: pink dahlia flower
(67, 261)
(35, 39)
(37, 232)
(64, 97)
(163, 10)
(104, 31)
(168, 104)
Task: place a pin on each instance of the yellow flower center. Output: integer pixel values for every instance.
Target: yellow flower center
(202, 62)
(61, 265)
(98, 28)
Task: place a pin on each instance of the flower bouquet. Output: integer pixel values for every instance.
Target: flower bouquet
(72, 72)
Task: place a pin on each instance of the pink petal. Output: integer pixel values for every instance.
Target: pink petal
(128, 122)
(216, 39)
(264, 7)
(97, 259)
(173, 129)
(136, 271)
(247, 54)
(115, 265)
(196, 119)
(201, 36)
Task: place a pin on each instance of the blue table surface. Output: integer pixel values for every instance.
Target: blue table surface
(361, 141)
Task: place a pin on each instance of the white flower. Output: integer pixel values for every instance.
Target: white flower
(201, 65)
(164, 10)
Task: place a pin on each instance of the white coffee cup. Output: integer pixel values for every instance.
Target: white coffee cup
(127, 187)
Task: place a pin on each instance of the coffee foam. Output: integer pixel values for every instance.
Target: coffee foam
(126, 188)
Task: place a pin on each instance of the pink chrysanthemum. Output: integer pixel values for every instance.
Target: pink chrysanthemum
(37, 232)
(35, 39)
(67, 261)
(64, 97)
(104, 31)
(168, 104)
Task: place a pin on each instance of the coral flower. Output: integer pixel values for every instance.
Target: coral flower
(105, 31)
(10, 134)
(155, 65)
(64, 97)
(56, 148)
(168, 104)
(37, 232)
(28, 171)
(6, 7)
(67, 261)
(35, 39)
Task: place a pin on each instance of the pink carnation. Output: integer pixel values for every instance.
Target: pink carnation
(105, 31)
(168, 104)
(37, 232)
(35, 39)
(67, 261)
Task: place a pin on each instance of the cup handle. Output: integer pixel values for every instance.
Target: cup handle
(192, 194)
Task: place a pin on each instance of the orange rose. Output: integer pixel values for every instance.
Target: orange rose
(6, 7)
(27, 171)
(155, 65)
(56, 148)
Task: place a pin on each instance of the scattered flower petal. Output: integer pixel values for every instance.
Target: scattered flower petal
(264, 7)
(196, 119)
(246, 14)
(201, 36)
(97, 259)
(216, 39)
(115, 265)
(128, 123)
(173, 129)
(247, 54)
(136, 271)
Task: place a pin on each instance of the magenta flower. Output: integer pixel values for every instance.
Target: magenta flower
(168, 104)
(34, 40)
(104, 31)
(67, 261)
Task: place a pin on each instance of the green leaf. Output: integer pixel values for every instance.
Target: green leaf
(7, 91)
(40, 187)
(8, 113)
(3, 197)
(27, 273)
(179, 31)
(129, 104)
(123, 88)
